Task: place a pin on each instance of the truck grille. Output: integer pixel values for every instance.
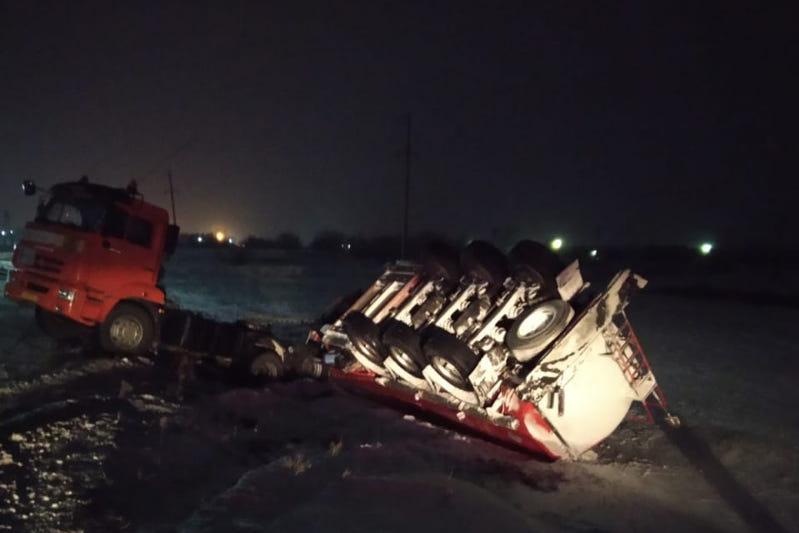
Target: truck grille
(35, 287)
(47, 264)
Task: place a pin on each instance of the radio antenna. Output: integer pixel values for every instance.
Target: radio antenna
(172, 196)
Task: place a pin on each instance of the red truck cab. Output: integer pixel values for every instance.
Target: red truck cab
(92, 259)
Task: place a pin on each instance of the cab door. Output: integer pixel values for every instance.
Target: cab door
(127, 252)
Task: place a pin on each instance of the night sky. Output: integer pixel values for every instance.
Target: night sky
(602, 122)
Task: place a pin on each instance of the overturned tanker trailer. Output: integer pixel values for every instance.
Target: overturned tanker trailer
(516, 349)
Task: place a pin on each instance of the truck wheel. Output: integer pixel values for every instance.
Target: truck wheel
(365, 337)
(404, 347)
(128, 329)
(532, 262)
(484, 262)
(267, 365)
(441, 261)
(306, 360)
(537, 327)
(451, 357)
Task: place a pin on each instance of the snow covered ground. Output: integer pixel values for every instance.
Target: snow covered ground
(102, 444)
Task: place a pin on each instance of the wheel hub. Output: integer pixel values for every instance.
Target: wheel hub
(449, 371)
(366, 350)
(126, 332)
(403, 359)
(536, 321)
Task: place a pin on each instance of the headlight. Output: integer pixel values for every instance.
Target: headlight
(65, 294)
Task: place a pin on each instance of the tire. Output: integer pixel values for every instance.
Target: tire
(451, 357)
(404, 346)
(267, 365)
(532, 262)
(537, 327)
(306, 360)
(484, 262)
(440, 260)
(365, 337)
(128, 329)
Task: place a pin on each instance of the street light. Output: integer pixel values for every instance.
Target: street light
(705, 248)
(556, 243)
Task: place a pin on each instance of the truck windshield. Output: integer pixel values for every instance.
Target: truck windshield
(83, 213)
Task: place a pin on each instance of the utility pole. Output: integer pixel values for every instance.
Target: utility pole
(172, 196)
(407, 189)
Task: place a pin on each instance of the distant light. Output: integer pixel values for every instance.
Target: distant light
(349, 246)
(199, 238)
(3, 233)
(15, 247)
(556, 243)
(593, 252)
(220, 236)
(705, 248)
(11, 231)
(230, 240)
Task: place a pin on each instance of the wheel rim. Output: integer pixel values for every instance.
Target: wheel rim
(367, 350)
(403, 359)
(126, 332)
(265, 365)
(449, 371)
(536, 321)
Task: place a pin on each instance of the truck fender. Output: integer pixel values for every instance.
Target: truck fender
(147, 297)
(140, 292)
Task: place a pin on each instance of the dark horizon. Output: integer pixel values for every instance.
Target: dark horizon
(631, 124)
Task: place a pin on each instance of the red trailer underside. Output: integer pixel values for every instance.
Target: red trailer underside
(427, 404)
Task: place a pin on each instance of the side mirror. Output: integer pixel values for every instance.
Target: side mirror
(29, 188)
(171, 241)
